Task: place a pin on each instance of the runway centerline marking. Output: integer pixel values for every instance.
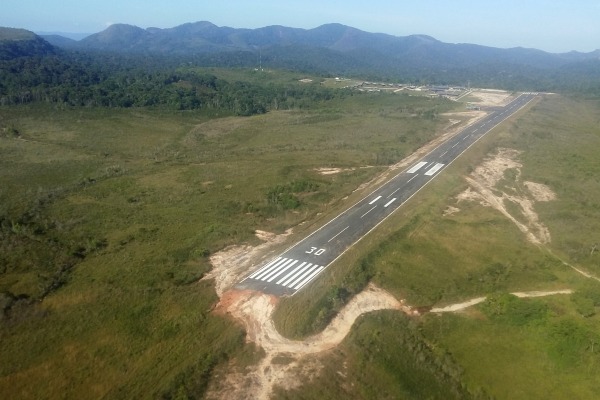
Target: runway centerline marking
(342, 231)
(375, 199)
(362, 216)
(394, 192)
(412, 178)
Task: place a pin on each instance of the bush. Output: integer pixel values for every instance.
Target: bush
(513, 310)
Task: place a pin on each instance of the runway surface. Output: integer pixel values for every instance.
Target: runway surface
(302, 263)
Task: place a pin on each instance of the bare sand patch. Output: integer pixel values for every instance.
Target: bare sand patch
(539, 191)
(483, 188)
(469, 303)
(450, 210)
(233, 263)
(490, 97)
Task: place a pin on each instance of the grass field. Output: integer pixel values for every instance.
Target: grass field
(108, 218)
(529, 348)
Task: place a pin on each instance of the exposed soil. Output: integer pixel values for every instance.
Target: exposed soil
(333, 171)
(490, 97)
(484, 188)
(491, 186)
(254, 310)
(288, 363)
(232, 264)
(469, 303)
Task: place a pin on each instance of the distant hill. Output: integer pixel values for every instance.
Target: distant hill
(205, 37)
(16, 43)
(58, 40)
(330, 50)
(336, 49)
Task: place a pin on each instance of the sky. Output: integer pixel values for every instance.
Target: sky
(553, 25)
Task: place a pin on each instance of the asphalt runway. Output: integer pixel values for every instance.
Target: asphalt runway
(303, 262)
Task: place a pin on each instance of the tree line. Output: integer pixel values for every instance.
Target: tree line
(109, 80)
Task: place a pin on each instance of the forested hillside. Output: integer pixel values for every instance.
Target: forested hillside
(103, 80)
(100, 73)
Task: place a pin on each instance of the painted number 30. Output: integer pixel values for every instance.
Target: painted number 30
(315, 251)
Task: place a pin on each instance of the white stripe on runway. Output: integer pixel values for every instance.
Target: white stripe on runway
(310, 278)
(434, 169)
(417, 167)
(293, 274)
(265, 267)
(303, 276)
(390, 202)
(283, 261)
(374, 207)
(375, 199)
(282, 268)
(338, 234)
(299, 267)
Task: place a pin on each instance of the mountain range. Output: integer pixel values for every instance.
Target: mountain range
(204, 38)
(331, 49)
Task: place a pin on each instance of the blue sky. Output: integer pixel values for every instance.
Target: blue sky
(554, 25)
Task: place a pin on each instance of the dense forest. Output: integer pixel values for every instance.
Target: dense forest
(110, 80)
(32, 70)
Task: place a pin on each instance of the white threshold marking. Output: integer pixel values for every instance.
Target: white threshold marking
(434, 169)
(375, 199)
(417, 167)
(275, 273)
(304, 275)
(287, 279)
(310, 278)
(338, 234)
(285, 269)
(275, 267)
(390, 202)
(265, 267)
(368, 211)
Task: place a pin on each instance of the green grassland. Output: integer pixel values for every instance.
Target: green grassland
(507, 348)
(108, 217)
